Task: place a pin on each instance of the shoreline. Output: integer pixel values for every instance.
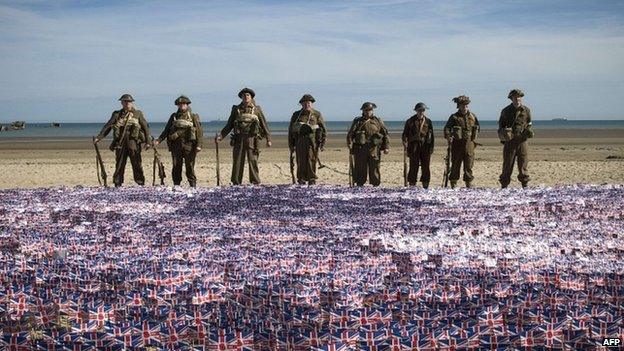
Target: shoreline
(556, 157)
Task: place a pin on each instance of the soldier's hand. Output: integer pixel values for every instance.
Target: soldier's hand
(218, 137)
(156, 142)
(269, 143)
(385, 151)
(96, 140)
(198, 149)
(322, 148)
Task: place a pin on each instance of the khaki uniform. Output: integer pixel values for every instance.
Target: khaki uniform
(418, 136)
(248, 125)
(184, 135)
(514, 128)
(368, 136)
(464, 130)
(306, 134)
(130, 130)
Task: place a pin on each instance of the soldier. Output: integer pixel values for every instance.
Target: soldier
(184, 139)
(367, 138)
(461, 131)
(130, 131)
(306, 136)
(418, 141)
(514, 128)
(248, 124)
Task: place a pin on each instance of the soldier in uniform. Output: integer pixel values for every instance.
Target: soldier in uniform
(418, 141)
(461, 131)
(130, 132)
(514, 128)
(184, 139)
(367, 138)
(306, 136)
(248, 124)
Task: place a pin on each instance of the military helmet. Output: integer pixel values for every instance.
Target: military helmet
(420, 105)
(305, 129)
(368, 106)
(246, 90)
(307, 97)
(462, 100)
(515, 92)
(126, 97)
(182, 100)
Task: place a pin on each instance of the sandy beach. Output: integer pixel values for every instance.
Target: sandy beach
(593, 156)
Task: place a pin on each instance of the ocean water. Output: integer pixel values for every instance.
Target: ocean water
(86, 130)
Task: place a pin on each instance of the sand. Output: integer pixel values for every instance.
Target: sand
(593, 156)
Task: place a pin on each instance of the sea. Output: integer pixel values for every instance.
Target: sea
(87, 130)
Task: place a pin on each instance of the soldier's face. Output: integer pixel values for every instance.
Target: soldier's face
(126, 105)
(516, 100)
(463, 108)
(246, 98)
(307, 105)
(183, 107)
(367, 113)
(420, 111)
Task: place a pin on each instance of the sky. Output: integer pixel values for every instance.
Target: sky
(70, 61)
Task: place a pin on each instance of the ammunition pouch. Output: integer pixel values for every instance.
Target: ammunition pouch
(528, 132)
(457, 133)
(360, 138)
(505, 134)
(174, 136)
(307, 130)
(376, 139)
(247, 123)
(185, 129)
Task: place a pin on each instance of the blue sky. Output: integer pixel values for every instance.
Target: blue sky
(71, 60)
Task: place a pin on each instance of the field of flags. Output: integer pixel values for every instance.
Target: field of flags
(311, 268)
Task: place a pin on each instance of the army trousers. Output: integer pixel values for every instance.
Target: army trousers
(305, 151)
(517, 149)
(419, 157)
(245, 146)
(131, 150)
(183, 153)
(462, 152)
(366, 163)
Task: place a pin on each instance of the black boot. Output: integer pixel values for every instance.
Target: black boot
(425, 185)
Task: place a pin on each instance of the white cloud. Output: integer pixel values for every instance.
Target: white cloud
(389, 47)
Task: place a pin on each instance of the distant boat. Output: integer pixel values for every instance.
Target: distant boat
(3, 128)
(18, 125)
(55, 124)
(560, 119)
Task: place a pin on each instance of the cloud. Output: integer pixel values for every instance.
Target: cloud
(390, 51)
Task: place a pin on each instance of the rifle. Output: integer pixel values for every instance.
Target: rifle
(292, 165)
(404, 165)
(99, 165)
(218, 166)
(447, 163)
(316, 154)
(161, 168)
(350, 167)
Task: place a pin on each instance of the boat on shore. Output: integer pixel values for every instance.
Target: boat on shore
(560, 119)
